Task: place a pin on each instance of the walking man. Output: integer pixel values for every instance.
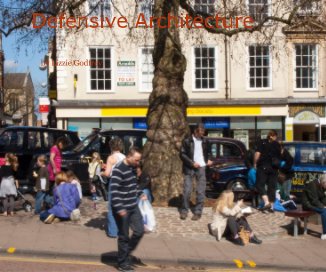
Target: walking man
(124, 193)
(194, 157)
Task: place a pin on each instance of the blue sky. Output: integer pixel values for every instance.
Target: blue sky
(29, 56)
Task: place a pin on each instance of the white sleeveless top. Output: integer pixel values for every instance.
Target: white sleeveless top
(119, 157)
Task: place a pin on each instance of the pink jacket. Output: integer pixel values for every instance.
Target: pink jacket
(57, 162)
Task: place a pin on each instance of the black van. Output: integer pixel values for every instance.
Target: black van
(77, 159)
(29, 142)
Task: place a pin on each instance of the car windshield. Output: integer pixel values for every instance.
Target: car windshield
(84, 143)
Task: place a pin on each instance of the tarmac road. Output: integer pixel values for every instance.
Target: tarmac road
(35, 264)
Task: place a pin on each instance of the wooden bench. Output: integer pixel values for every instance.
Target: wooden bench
(238, 194)
(296, 214)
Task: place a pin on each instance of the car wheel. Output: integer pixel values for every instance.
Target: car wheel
(237, 185)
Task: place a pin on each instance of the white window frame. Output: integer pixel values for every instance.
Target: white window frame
(140, 71)
(270, 88)
(99, 15)
(269, 13)
(193, 70)
(146, 3)
(213, 4)
(113, 71)
(314, 89)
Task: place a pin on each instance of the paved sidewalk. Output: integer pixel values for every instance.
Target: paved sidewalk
(175, 242)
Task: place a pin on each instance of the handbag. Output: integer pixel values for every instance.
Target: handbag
(244, 235)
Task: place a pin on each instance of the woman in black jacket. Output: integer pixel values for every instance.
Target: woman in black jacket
(314, 198)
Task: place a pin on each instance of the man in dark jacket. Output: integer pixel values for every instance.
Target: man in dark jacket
(194, 157)
(314, 198)
(266, 161)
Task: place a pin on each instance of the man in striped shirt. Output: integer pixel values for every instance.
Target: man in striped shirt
(125, 194)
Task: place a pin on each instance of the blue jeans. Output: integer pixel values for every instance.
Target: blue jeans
(322, 212)
(41, 197)
(134, 220)
(286, 188)
(112, 228)
(200, 175)
(44, 215)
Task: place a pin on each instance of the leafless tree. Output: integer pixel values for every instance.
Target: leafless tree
(166, 117)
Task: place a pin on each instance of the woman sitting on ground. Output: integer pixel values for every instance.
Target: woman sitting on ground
(229, 219)
(66, 199)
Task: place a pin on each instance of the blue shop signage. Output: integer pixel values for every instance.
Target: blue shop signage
(216, 122)
(139, 123)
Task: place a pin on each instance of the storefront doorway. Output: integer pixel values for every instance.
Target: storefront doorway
(305, 133)
(306, 127)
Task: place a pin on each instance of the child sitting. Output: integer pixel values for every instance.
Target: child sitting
(74, 180)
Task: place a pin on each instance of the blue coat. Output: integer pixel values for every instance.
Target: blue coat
(66, 202)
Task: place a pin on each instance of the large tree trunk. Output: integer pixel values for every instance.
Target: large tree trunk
(166, 116)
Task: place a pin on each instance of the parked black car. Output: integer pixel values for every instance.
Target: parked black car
(229, 170)
(29, 142)
(78, 158)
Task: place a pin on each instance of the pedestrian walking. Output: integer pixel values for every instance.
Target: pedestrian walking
(267, 161)
(116, 147)
(42, 185)
(195, 160)
(314, 199)
(125, 194)
(8, 186)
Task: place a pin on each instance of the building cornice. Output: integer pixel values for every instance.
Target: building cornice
(61, 104)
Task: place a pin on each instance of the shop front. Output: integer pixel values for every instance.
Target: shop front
(306, 123)
(246, 123)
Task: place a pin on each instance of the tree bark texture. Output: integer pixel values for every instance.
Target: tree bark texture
(166, 116)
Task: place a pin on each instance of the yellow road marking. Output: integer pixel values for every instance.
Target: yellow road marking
(251, 263)
(40, 260)
(11, 250)
(238, 263)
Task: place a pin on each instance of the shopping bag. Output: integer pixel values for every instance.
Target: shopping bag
(147, 212)
(252, 178)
